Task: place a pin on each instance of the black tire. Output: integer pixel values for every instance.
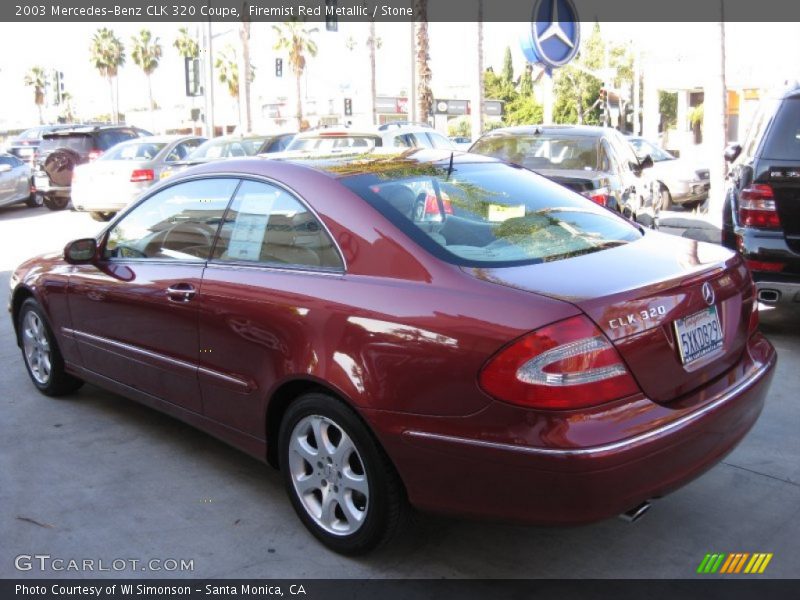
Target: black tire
(665, 197)
(34, 201)
(386, 509)
(56, 202)
(58, 382)
(102, 216)
(728, 235)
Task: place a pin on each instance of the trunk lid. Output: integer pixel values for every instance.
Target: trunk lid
(575, 180)
(783, 178)
(635, 293)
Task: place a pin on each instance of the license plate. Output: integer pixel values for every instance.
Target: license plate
(41, 182)
(699, 335)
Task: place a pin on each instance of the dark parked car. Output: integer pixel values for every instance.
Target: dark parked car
(761, 217)
(529, 356)
(597, 162)
(61, 151)
(24, 146)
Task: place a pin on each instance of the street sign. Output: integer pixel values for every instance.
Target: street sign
(554, 35)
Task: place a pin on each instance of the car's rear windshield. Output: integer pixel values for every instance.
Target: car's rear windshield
(490, 214)
(228, 148)
(134, 151)
(783, 140)
(542, 151)
(332, 144)
(79, 142)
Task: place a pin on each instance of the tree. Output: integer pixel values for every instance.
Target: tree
(295, 39)
(37, 79)
(478, 91)
(508, 66)
(186, 45)
(107, 56)
(146, 54)
(576, 92)
(424, 93)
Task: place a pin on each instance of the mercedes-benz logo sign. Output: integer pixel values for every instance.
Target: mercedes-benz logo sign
(708, 293)
(555, 32)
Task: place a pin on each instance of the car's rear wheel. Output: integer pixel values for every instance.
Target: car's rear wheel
(664, 200)
(102, 216)
(340, 482)
(42, 356)
(56, 202)
(34, 200)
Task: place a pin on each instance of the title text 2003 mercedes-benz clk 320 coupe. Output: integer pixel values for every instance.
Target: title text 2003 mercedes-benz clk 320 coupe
(436, 330)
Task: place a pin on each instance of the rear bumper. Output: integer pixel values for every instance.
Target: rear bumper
(583, 467)
(778, 292)
(683, 192)
(105, 199)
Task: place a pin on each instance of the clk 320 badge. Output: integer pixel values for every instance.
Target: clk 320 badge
(642, 315)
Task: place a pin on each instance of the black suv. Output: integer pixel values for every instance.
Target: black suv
(61, 151)
(761, 217)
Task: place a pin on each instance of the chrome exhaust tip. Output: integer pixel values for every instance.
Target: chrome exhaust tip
(635, 513)
(767, 296)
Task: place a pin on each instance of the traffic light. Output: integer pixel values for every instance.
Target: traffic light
(331, 20)
(192, 73)
(278, 67)
(348, 107)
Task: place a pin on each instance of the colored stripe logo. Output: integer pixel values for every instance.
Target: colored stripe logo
(735, 563)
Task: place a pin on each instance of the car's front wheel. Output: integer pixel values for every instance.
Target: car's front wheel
(34, 200)
(102, 216)
(341, 483)
(42, 355)
(664, 200)
(56, 202)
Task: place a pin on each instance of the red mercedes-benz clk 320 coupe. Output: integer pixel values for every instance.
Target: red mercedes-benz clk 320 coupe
(442, 331)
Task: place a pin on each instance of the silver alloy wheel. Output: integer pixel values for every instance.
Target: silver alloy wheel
(328, 475)
(36, 347)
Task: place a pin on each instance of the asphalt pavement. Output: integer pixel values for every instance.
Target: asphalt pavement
(97, 477)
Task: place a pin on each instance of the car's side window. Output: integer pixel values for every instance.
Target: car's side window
(439, 141)
(177, 223)
(265, 224)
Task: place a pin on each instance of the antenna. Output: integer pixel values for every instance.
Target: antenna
(450, 167)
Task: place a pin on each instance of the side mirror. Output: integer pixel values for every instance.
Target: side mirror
(5, 168)
(732, 152)
(646, 162)
(81, 252)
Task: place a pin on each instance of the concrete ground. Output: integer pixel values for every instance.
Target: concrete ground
(95, 476)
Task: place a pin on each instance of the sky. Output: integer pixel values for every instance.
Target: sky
(452, 59)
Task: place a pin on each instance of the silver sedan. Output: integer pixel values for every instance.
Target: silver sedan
(15, 181)
(114, 180)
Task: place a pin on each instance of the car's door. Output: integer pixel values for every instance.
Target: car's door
(6, 180)
(22, 177)
(134, 313)
(263, 293)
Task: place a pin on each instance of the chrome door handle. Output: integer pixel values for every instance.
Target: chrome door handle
(181, 292)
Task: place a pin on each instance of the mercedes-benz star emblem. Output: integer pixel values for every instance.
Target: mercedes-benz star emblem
(556, 32)
(708, 293)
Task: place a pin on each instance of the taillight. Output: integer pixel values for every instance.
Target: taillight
(762, 265)
(432, 205)
(599, 196)
(142, 175)
(95, 154)
(757, 207)
(563, 366)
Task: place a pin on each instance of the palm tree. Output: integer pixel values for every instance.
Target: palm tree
(186, 45)
(295, 38)
(107, 56)
(373, 43)
(424, 93)
(37, 79)
(227, 65)
(477, 103)
(146, 54)
(244, 36)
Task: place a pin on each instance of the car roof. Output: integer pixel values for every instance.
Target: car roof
(342, 166)
(86, 129)
(573, 130)
(161, 139)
